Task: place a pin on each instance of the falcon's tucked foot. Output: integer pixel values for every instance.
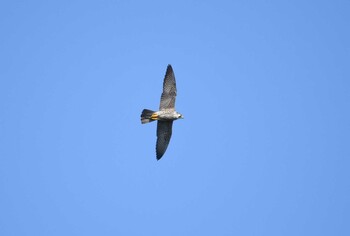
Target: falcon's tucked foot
(148, 116)
(154, 116)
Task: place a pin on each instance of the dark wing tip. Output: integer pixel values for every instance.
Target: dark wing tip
(169, 69)
(159, 156)
(159, 153)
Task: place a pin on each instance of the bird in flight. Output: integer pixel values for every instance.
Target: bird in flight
(166, 114)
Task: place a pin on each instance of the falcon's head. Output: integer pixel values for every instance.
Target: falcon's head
(179, 116)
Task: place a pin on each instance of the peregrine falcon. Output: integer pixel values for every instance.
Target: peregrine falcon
(166, 114)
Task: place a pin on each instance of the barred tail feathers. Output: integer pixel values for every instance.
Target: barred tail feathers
(146, 116)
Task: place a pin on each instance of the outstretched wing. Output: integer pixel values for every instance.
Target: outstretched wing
(164, 130)
(167, 100)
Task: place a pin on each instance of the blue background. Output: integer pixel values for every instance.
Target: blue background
(264, 147)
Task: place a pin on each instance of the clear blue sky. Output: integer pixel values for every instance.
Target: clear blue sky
(264, 148)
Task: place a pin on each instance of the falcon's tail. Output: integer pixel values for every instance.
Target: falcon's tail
(146, 116)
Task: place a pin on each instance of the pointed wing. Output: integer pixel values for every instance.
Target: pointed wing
(164, 130)
(167, 100)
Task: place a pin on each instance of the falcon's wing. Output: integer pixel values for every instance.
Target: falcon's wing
(164, 129)
(167, 100)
